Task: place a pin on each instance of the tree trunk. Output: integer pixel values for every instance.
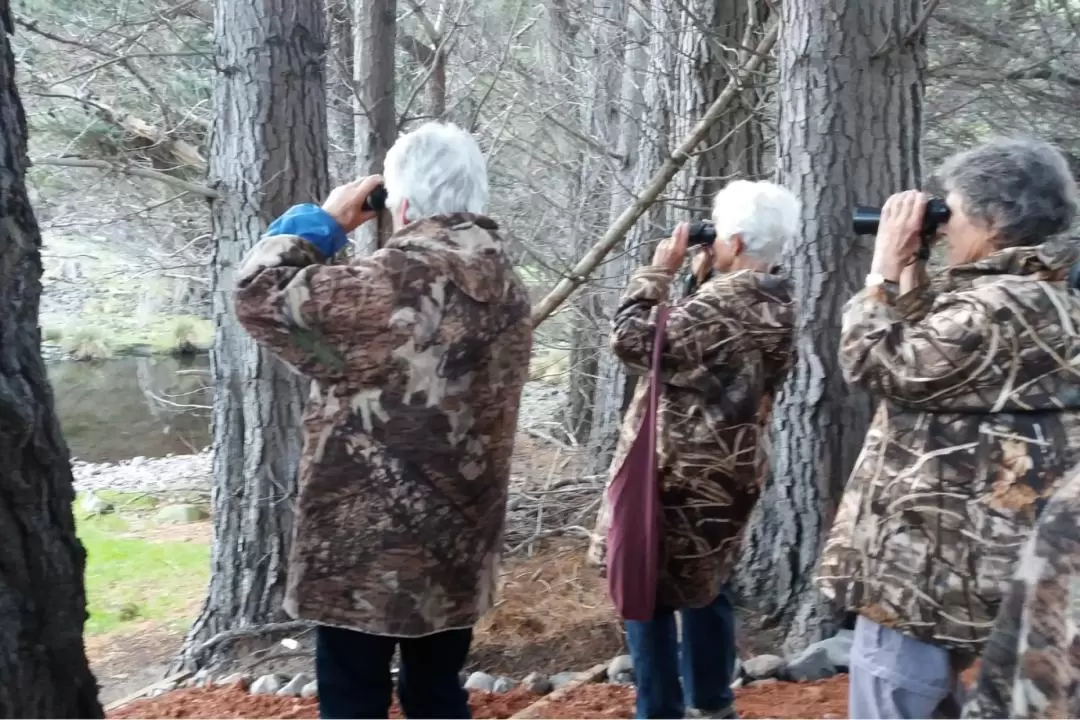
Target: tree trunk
(268, 152)
(851, 89)
(600, 120)
(43, 667)
(374, 33)
(642, 151)
(339, 83)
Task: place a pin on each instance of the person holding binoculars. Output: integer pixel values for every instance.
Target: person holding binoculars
(726, 350)
(418, 354)
(978, 420)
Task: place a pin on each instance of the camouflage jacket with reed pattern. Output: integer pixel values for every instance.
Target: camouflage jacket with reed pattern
(418, 355)
(728, 348)
(978, 385)
(1031, 665)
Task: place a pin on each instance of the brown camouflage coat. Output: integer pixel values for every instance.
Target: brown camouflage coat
(418, 354)
(728, 349)
(1031, 665)
(978, 422)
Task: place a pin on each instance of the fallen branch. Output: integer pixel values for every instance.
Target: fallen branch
(130, 170)
(614, 235)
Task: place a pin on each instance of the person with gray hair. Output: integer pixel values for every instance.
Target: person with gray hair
(978, 421)
(727, 349)
(418, 354)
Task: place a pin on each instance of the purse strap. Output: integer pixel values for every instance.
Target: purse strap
(655, 375)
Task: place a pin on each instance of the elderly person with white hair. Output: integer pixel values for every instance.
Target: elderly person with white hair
(978, 422)
(418, 354)
(727, 349)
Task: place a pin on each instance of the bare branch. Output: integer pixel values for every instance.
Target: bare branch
(130, 170)
(648, 195)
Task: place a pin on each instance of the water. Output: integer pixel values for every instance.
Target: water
(122, 408)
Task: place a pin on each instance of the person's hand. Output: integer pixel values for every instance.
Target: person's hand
(702, 264)
(345, 202)
(899, 233)
(671, 251)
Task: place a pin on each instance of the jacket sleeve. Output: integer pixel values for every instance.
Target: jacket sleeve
(943, 361)
(318, 318)
(700, 331)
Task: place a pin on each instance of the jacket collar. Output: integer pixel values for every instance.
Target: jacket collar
(1039, 262)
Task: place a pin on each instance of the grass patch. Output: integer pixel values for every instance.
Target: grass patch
(133, 575)
(87, 342)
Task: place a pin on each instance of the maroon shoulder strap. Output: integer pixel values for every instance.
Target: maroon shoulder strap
(655, 375)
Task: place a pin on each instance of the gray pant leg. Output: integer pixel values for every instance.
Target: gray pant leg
(895, 676)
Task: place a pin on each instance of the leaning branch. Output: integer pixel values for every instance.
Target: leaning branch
(614, 235)
(130, 170)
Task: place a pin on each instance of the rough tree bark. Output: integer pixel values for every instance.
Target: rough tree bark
(374, 33)
(851, 89)
(341, 112)
(268, 152)
(43, 667)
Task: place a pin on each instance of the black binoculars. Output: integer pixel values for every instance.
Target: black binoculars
(376, 200)
(865, 221)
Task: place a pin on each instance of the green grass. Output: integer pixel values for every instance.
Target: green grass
(136, 571)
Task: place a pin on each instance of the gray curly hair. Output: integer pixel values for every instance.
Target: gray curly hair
(1020, 187)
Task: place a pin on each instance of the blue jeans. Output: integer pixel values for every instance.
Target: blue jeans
(353, 670)
(705, 662)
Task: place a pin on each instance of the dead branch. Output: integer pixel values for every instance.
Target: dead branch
(614, 235)
(258, 631)
(130, 170)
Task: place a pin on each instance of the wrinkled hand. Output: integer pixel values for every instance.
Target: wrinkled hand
(671, 251)
(345, 202)
(899, 233)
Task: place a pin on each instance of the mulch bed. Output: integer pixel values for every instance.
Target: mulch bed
(822, 699)
(235, 702)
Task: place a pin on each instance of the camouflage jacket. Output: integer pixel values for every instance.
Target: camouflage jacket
(728, 349)
(978, 421)
(1031, 665)
(418, 354)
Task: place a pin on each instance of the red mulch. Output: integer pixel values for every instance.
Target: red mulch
(820, 699)
(234, 702)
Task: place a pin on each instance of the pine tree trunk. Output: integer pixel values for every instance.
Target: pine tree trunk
(850, 95)
(374, 34)
(43, 667)
(268, 152)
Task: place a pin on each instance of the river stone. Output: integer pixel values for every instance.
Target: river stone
(838, 648)
(536, 683)
(504, 685)
(811, 664)
(93, 505)
(621, 665)
(311, 690)
(180, 514)
(480, 681)
(266, 685)
(561, 680)
(244, 681)
(623, 678)
(763, 666)
(297, 684)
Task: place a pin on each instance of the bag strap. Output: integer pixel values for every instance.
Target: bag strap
(655, 374)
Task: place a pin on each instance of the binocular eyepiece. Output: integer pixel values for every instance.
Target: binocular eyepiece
(376, 200)
(865, 221)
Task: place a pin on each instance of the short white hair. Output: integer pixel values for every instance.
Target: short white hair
(439, 169)
(764, 214)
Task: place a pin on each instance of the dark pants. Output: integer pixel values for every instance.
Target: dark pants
(705, 662)
(353, 670)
